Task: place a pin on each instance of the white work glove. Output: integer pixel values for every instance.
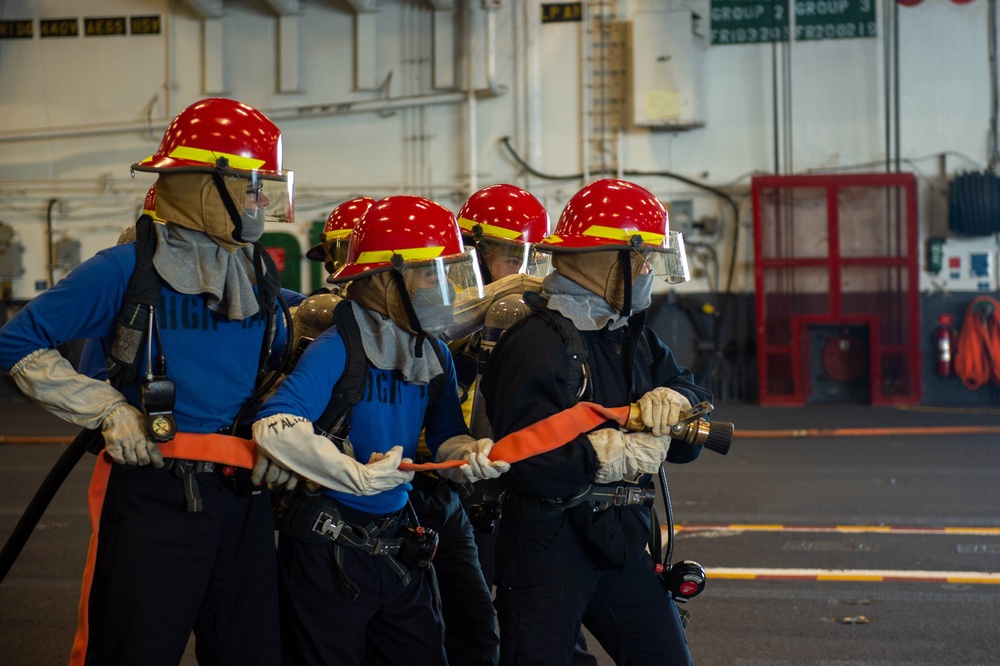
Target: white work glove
(661, 408)
(50, 380)
(289, 441)
(476, 453)
(267, 471)
(125, 438)
(627, 455)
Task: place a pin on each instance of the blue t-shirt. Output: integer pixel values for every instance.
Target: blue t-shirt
(212, 361)
(391, 412)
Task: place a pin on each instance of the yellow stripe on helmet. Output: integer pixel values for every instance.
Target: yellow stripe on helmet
(613, 233)
(336, 234)
(489, 229)
(411, 254)
(212, 156)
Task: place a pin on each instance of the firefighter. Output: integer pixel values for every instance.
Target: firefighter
(502, 222)
(184, 541)
(565, 554)
(333, 240)
(354, 566)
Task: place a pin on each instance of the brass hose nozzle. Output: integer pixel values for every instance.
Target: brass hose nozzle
(692, 428)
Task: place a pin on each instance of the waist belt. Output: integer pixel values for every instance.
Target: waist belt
(328, 524)
(599, 497)
(230, 456)
(319, 519)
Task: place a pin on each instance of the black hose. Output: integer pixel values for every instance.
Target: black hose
(670, 519)
(43, 497)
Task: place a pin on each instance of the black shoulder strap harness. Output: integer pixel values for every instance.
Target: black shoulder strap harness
(143, 294)
(578, 382)
(335, 420)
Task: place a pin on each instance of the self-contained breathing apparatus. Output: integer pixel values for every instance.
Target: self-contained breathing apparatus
(137, 327)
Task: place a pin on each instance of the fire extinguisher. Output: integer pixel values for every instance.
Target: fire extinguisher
(944, 335)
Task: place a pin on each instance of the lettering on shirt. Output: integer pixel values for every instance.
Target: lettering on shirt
(187, 312)
(385, 389)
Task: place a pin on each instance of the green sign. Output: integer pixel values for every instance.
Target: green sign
(834, 19)
(749, 21)
(758, 21)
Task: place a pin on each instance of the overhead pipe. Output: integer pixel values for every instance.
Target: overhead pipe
(75, 131)
(287, 113)
(379, 106)
(492, 89)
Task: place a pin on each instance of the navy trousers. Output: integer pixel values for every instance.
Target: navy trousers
(471, 637)
(324, 624)
(162, 572)
(548, 584)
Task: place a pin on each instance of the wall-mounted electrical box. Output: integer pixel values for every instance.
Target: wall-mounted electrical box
(968, 264)
(666, 53)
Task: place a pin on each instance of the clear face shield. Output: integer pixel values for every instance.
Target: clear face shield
(539, 263)
(668, 262)
(435, 285)
(266, 198)
(504, 258)
(335, 253)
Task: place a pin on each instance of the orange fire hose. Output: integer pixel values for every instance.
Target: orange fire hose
(553, 431)
(546, 435)
(977, 357)
(225, 449)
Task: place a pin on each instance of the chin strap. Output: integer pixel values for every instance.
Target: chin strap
(625, 261)
(477, 240)
(227, 199)
(411, 314)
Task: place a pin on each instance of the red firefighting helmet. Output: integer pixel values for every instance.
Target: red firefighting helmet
(414, 243)
(612, 214)
(504, 222)
(399, 232)
(505, 213)
(333, 240)
(234, 139)
(149, 205)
